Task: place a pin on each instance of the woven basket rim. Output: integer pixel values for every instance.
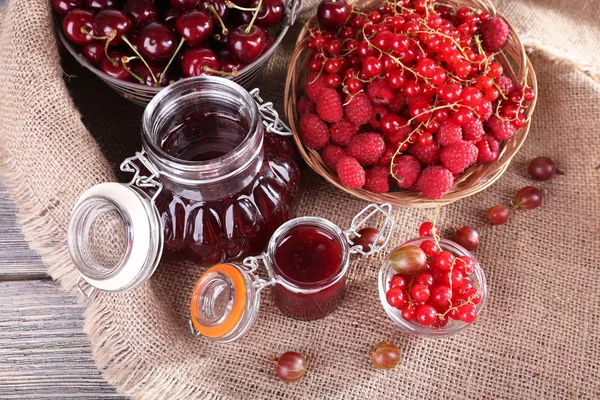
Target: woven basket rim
(476, 178)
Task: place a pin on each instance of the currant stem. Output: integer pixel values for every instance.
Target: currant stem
(137, 53)
(181, 42)
(224, 29)
(254, 17)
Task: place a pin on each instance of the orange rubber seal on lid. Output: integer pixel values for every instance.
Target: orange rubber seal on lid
(239, 302)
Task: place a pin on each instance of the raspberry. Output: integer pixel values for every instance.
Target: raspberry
(406, 171)
(489, 149)
(313, 132)
(331, 155)
(484, 109)
(304, 106)
(435, 182)
(502, 130)
(329, 106)
(358, 108)
(398, 103)
(350, 172)
(378, 113)
(473, 131)
(458, 156)
(380, 92)
(342, 131)
(448, 133)
(494, 33)
(427, 155)
(377, 180)
(315, 83)
(506, 85)
(386, 159)
(366, 147)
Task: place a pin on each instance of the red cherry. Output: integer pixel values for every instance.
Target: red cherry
(246, 46)
(271, 12)
(228, 63)
(98, 5)
(112, 22)
(156, 41)
(333, 14)
(62, 7)
(216, 9)
(195, 27)
(94, 52)
(196, 61)
(77, 21)
(170, 17)
(141, 12)
(183, 4)
(116, 71)
(157, 69)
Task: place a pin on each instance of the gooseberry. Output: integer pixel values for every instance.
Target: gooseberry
(467, 237)
(290, 366)
(408, 260)
(385, 355)
(529, 198)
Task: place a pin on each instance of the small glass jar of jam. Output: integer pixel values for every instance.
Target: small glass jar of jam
(306, 262)
(214, 180)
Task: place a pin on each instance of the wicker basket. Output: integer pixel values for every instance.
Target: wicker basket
(142, 94)
(475, 179)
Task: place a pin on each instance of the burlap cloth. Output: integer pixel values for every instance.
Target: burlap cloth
(538, 337)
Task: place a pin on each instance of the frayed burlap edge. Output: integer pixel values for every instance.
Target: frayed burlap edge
(131, 374)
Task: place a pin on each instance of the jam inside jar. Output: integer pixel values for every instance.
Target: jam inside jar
(227, 184)
(309, 257)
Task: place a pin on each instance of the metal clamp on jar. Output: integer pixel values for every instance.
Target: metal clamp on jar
(306, 263)
(209, 185)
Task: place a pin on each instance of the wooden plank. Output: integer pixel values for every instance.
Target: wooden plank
(17, 260)
(44, 353)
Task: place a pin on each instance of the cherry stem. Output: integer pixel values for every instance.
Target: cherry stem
(216, 71)
(137, 53)
(181, 42)
(124, 61)
(109, 38)
(224, 29)
(254, 17)
(231, 4)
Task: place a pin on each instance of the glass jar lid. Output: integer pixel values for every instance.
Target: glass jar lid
(115, 236)
(225, 301)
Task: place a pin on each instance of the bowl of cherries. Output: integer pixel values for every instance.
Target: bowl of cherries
(432, 287)
(140, 46)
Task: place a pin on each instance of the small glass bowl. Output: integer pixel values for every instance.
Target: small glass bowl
(387, 272)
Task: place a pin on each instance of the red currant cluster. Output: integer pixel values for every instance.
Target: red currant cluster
(155, 43)
(408, 94)
(432, 286)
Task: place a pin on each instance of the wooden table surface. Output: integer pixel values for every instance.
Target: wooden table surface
(44, 353)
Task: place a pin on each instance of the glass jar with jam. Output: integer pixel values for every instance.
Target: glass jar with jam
(306, 263)
(214, 180)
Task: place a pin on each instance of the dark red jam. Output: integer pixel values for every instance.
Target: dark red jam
(309, 259)
(204, 136)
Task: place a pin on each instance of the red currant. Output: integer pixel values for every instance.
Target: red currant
(428, 229)
(430, 248)
(420, 292)
(467, 313)
(444, 260)
(396, 297)
(399, 281)
(425, 314)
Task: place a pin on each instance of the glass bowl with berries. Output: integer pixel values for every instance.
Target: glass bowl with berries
(432, 287)
(139, 46)
(414, 102)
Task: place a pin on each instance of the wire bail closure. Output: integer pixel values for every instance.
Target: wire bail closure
(270, 116)
(139, 180)
(361, 219)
